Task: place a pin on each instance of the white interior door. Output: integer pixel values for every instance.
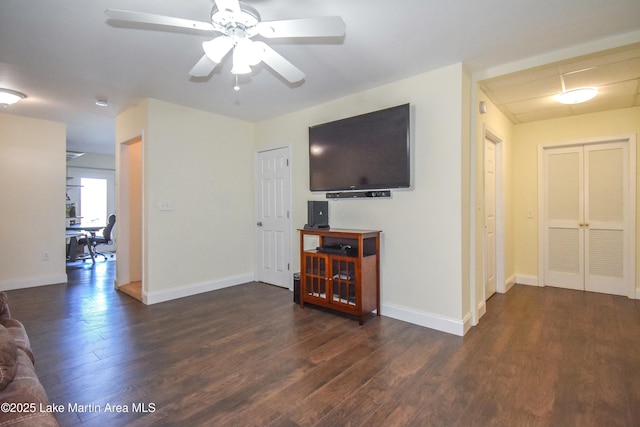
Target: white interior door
(587, 212)
(490, 217)
(273, 222)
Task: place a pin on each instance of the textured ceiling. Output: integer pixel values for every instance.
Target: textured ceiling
(529, 95)
(65, 53)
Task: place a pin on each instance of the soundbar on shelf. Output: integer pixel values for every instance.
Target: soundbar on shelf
(359, 194)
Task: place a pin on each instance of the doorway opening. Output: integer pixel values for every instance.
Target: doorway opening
(130, 268)
(92, 194)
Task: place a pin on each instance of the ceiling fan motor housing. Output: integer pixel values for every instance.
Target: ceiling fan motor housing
(228, 22)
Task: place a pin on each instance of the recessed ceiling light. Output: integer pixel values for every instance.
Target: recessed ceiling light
(8, 96)
(102, 103)
(576, 96)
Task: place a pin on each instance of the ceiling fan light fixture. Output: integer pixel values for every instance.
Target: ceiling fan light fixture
(249, 52)
(9, 97)
(217, 48)
(240, 66)
(245, 55)
(240, 69)
(577, 96)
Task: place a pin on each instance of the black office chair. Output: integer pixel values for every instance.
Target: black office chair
(92, 240)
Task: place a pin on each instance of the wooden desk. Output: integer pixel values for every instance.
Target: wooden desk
(73, 232)
(80, 227)
(72, 245)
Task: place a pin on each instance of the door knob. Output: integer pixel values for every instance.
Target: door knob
(581, 224)
(259, 223)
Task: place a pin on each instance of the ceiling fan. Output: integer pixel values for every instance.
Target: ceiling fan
(236, 24)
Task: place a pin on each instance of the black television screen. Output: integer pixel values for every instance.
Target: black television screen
(370, 151)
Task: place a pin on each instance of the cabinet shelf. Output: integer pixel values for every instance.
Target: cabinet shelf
(348, 283)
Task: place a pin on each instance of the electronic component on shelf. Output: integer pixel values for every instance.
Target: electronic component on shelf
(338, 248)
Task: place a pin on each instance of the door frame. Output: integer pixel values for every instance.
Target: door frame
(630, 225)
(257, 249)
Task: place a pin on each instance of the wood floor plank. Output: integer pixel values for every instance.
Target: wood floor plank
(248, 356)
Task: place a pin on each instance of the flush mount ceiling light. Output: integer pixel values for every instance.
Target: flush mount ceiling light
(8, 96)
(576, 96)
(102, 102)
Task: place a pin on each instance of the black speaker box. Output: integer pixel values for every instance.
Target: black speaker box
(296, 288)
(317, 214)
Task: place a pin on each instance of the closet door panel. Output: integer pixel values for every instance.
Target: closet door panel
(605, 181)
(564, 236)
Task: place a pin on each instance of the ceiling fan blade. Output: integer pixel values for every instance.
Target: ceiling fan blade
(161, 20)
(203, 68)
(232, 6)
(329, 26)
(279, 64)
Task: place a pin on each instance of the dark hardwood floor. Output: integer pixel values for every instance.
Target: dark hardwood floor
(248, 356)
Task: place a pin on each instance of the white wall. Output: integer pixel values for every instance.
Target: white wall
(202, 164)
(422, 255)
(32, 191)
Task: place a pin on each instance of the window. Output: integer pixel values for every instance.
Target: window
(93, 201)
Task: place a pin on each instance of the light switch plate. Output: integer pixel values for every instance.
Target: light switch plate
(166, 205)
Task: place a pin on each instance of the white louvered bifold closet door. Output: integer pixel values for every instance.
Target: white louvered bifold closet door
(584, 202)
(564, 199)
(606, 178)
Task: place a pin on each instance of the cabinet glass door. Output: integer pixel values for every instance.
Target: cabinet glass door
(343, 290)
(316, 275)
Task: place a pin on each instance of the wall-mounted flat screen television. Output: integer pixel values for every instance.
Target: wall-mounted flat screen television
(365, 152)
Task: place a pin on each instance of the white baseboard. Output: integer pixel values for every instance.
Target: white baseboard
(194, 289)
(429, 320)
(527, 280)
(31, 282)
(482, 309)
(509, 283)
